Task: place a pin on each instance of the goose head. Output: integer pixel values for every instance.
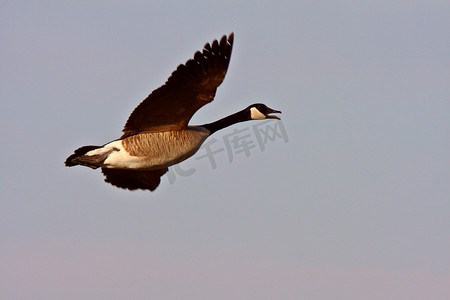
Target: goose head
(259, 111)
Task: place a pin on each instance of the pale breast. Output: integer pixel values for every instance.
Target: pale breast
(154, 150)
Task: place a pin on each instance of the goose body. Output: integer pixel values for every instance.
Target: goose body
(157, 134)
(151, 150)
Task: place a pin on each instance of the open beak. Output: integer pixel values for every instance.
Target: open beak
(273, 111)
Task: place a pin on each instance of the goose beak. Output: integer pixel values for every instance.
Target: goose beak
(272, 111)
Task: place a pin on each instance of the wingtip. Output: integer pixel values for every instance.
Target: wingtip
(229, 38)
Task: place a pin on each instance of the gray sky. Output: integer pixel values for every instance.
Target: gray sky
(355, 205)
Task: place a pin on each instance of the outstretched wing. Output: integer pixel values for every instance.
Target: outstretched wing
(134, 179)
(190, 86)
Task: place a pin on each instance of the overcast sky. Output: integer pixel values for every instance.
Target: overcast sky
(348, 198)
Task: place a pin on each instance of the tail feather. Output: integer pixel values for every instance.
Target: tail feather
(79, 158)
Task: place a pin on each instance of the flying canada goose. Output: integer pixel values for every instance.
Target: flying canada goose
(157, 134)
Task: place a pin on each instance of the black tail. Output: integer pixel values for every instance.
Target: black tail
(75, 159)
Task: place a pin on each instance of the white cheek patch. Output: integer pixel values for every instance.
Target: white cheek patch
(255, 114)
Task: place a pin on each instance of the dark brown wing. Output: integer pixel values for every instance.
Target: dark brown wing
(133, 180)
(190, 86)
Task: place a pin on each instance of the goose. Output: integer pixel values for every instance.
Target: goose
(156, 134)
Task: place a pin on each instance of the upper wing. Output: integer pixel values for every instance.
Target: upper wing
(190, 86)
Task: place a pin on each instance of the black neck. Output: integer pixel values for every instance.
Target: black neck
(240, 116)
